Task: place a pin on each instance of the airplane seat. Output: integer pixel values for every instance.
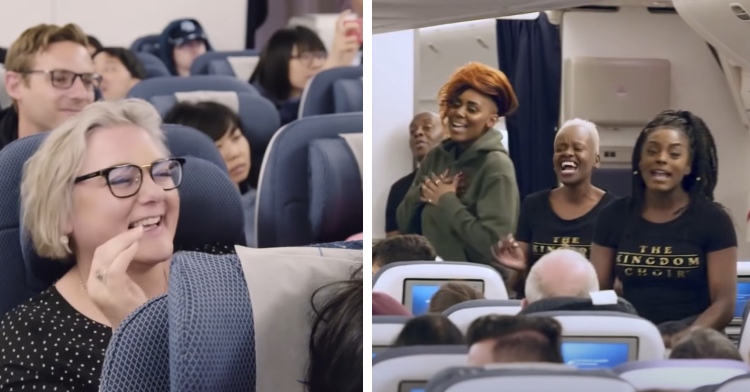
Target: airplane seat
(414, 283)
(464, 313)
(335, 179)
(348, 95)
(147, 43)
(409, 368)
(680, 374)
(185, 141)
(241, 67)
(260, 119)
(153, 65)
(318, 96)
(167, 85)
(20, 279)
(744, 338)
(736, 384)
(385, 330)
(621, 336)
(211, 215)
(211, 326)
(526, 378)
(201, 63)
(283, 195)
(618, 181)
(137, 357)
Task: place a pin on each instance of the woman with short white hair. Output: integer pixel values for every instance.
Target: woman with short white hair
(99, 194)
(562, 217)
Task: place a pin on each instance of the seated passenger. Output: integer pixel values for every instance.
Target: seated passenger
(563, 280)
(508, 339)
(427, 330)
(109, 209)
(181, 42)
(563, 216)
(452, 294)
(336, 338)
(401, 248)
(292, 56)
(385, 305)
(465, 197)
(93, 45)
(120, 70)
(50, 77)
(223, 126)
(425, 132)
(704, 343)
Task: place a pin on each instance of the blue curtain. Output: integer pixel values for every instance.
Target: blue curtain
(529, 53)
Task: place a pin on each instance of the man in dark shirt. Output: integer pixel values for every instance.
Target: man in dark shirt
(49, 76)
(425, 132)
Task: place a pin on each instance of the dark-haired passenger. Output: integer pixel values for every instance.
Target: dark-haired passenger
(671, 245)
(93, 45)
(120, 70)
(429, 330)
(509, 339)
(410, 247)
(223, 126)
(335, 346)
(465, 197)
(292, 56)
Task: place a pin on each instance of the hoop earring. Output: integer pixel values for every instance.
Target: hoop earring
(65, 241)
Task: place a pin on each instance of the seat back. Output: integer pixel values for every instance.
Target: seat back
(319, 94)
(463, 314)
(680, 373)
(211, 327)
(735, 384)
(623, 337)
(147, 43)
(153, 65)
(744, 340)
(137, 358)
(348, 95)
(241, 67)
(415, 282)
(168, 85)
(615, 180)
(335, 190)
(385, 330)
(414, 364)
(530, 379)
(201, 63)
(5, 100)
(283, 201)
(185, 141)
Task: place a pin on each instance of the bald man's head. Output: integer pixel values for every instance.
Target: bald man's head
(425, 132)
(561, 273)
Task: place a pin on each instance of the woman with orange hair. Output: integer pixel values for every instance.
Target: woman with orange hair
(465, 197)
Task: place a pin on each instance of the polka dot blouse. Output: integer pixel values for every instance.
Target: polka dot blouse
(47, 345)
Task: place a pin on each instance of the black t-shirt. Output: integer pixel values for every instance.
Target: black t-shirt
(45, 344)
(662, 266)
(544, 231)
(395, 197)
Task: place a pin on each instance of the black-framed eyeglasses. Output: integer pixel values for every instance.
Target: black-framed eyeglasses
(125, 180)
(307, 58)
(64, 79)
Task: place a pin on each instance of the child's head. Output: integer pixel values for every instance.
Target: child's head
(222, 125)
(409, 247)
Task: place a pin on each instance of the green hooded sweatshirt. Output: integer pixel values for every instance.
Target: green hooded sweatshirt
(464, 227)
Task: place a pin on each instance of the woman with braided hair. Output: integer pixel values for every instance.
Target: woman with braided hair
(465, 197)
(671, 245)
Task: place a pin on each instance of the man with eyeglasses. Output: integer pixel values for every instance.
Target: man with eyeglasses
(49, 77)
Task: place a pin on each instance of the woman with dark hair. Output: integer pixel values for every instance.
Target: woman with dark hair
(336, 338)
(563, 216)
(465, 197)
(673, 248)
(224, 127)
(292, 56)
(429, 330)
